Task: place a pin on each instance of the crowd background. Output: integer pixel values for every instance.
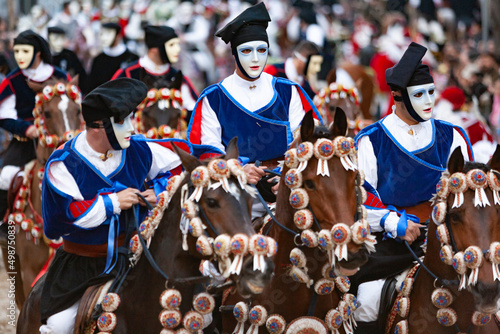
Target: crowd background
(462, 35)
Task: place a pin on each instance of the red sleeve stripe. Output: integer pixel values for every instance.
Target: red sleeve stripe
(195, 135)
(469, 148)
(78, 208)
(374, 202)
(176, 171)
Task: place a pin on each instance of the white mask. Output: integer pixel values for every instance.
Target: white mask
(253, 57)
(422, 98)
(24, 53)
(314, 65)
(173, 49)
(107, 37)
(56, 42)
(123, 131)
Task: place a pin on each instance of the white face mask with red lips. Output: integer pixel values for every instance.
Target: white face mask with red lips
(123, 131)
(253, 57)
(422, 98)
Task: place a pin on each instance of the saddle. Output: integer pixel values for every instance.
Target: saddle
(89, 310)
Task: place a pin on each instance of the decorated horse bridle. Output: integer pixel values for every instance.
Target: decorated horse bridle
(221, 248)
(472, 258)
(48, 93)
(165, 96)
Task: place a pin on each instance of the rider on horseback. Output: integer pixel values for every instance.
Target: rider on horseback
(90, 185)
(403, 156)
(17, 101)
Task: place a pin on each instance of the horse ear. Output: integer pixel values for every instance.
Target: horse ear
(178, 78)
(331, 76)
(456, 162)
(232, 151)
(75, 80)
(339, 126)
(307, 126)
(188, 161)
(36, 86)
(494, 162)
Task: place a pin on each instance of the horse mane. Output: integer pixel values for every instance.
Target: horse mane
(469, 165)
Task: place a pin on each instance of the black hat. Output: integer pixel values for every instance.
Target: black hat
(116, 98)
(56, 30)
(156, 36)
(409, 71)
(112, 25)
(250, 25)
(30, 37)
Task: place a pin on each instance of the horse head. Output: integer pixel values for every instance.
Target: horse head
(326, 189)
(57, 113)
(223, 210)
(468, 226)
(161, 114)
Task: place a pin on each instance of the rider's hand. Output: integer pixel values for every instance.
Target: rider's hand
(31, 132)
(127, 198)
(276, 186)
(412, 231)
(150, 196)
(254, 174)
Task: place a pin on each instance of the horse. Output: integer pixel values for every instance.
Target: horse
(326, 196)
(57, 118)
(161, 115)
(224, 210)
(465, 236)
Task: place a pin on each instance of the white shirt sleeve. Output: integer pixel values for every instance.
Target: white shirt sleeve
(187, 99)
(211, 132)
(8, 108)
(459, 141)
(163, 160)
(65, 183)
(296, 110)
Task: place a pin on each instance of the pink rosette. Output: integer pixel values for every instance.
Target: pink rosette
(458, 184)
(446, 254)
(189, 209)
(293, 179)
(309, 238)
(473, 257)
(446, 316)
(106, 322)
(257, 246)
(442, 187)
(298, 258)
(170, 299)
(195, 227)
(402, 327)
(494, 257)
(303, 219)
(239, 248)
(275, 324)
(110, 302)
(200, 177)
(323, 151)
(299, 199)
(443, 235)
(441, 298)
(477, 180)
(324, 286)
(291, 158)
(203, 303)
(439, 213)
(494, 185)
(403, 307)
(480, 319)
(343, 283)
(458, 263)
(222, 245)
(203, 246)
(193, 321)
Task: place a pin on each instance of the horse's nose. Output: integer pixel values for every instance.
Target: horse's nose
(486, 296)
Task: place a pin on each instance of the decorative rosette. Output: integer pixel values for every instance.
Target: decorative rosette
(457, 185)
(361, 178)
(298, 258)
(293, 178)
(36, 232)
(152, 133)
(325, 242)
(275, 324)
(476, 179)
(402, 327)
(68, 135)
(458, 263)
(494, 185)
(441, 298)
(257, 246)
(146, 229)
(446, 316)
(443, 235)
(403, 307)
(164, 131)
(406, 286)
(347, 314)
(239, 248)
(304, 152)
(291, 158)
(439, 213)
(272, 247)
(351, 299)
(222, 245)
(257, 317)
(200, 177)
(170, 299)
(204, 303)
(495, 259)
(334, 320)
(324, 286)
(363, 194)
(203, 246)
(299, 199)
(26, 224)
(480, 319)
(163, 331)
(303, 219)
(110, 302)
(323, 151)
(184, 331)
(189, 209)
(19, 217)
(173, 183)
(236, 168)
(307, 325)
(299, 275)
(473, 257)
(219, 171)
(106, 322)
(240, 312)
(341, 234)
(361, 235)
(343, 148)
(328, 272)
(196, 227)
(442, 187)
(193, 321)
(446, 254)
(343, 283)
(309, 238)
(48, 93)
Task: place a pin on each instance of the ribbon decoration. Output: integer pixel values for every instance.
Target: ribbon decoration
(344, 147)
(257, 317)
(494, 185)
(240, 312)
(323, 150)
(200, 177)
(219, 171)
(258, 248)
(304, 152)
(457, 185)
(341, 234)
(494, 252)
(476, 180)
(473, 257)
(239, 248)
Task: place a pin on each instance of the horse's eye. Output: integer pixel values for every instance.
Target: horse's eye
(212, 203)
(308, 184)
(455, 217)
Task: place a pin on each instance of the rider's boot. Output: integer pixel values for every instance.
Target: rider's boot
(4, 224)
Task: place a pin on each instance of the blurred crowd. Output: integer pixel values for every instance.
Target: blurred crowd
(462, 37)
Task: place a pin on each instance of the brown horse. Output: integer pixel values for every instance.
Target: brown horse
(57, 117)
(160, 115)
(223, 212)
(466, 237)
(332, 200)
